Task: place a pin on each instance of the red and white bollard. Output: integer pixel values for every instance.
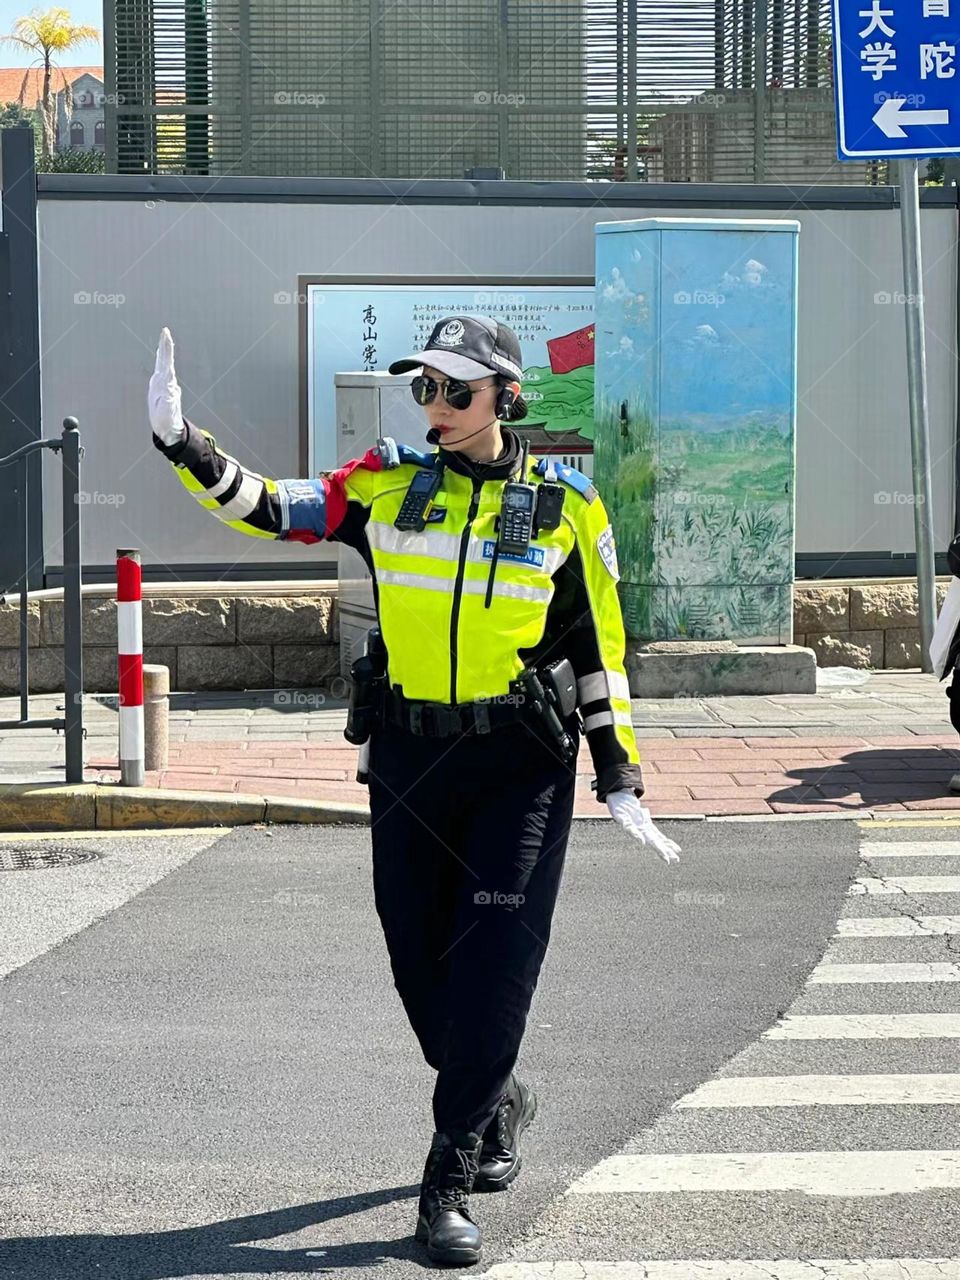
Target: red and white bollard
(130, 668)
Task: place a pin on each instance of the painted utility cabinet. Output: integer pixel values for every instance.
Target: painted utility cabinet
(695, 406)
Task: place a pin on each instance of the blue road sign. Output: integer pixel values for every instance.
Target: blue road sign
(897, 77)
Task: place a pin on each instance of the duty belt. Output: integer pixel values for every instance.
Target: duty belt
(444, 720)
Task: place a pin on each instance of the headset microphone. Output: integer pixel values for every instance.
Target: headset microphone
(435, 436)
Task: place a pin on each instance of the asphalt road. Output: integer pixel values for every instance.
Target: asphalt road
(205, 1069)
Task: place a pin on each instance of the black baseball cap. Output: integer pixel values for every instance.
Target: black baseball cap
(468, 347)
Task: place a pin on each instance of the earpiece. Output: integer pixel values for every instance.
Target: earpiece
(505, 398)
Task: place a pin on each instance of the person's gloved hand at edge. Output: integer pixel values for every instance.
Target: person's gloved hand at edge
(636, 820)
(163, 394)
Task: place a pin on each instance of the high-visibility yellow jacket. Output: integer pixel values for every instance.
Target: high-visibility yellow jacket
(455, 632)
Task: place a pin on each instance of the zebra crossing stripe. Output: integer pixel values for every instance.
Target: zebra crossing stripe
(733, 1269)
(866, 1026)
(818, 1091)
(895, 926)
(904, 884)
(910, 849)
(816, 1173)
(932, 972)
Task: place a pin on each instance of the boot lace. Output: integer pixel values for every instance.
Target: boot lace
(456, 1182)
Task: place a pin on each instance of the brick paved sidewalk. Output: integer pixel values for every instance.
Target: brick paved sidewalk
(712, 775)
(886, 745)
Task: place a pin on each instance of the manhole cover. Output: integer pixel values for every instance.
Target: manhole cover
(41, 857)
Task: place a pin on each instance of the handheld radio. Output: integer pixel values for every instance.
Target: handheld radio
(518, 503)
(423, 489)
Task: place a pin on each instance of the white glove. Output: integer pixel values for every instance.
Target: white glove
(163, 394)
(635, 819)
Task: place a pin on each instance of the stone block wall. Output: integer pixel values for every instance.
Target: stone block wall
(286, 636)
(228, 641)
(861, 624)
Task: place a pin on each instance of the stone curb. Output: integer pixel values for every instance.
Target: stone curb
(94, 806)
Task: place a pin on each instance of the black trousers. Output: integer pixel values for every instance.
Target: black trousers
(469, 841)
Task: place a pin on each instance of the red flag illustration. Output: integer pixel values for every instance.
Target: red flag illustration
(572, 350)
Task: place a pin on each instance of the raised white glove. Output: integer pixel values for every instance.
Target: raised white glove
(163, 394)
(635, 819)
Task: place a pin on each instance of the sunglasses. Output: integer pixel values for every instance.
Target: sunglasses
(456, 393)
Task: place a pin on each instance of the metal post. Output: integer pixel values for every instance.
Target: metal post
(130, 668)
(632, 90)
(72, 608)
(24, 589)
(760, 94)
(917, 393)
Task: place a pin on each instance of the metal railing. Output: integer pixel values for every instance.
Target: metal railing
(68, 446)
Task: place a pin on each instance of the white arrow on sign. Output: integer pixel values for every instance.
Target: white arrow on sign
(891, 117)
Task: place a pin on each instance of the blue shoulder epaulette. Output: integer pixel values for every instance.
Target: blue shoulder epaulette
(569, 475)
(417, 456)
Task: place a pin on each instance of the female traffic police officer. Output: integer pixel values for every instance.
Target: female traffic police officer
(489, 567)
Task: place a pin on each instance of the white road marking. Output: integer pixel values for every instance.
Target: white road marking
(895, 926)
(817, 1173)
(932, 972)
(866, 1026)
(733, 1269)
(910, 849)
(904, 884)
(811, 1090)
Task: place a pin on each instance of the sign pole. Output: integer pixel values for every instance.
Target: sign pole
(917, 394)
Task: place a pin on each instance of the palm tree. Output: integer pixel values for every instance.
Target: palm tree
(45, 33)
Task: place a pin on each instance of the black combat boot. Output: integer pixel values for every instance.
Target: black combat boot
(445, 1224)
(500, 1153)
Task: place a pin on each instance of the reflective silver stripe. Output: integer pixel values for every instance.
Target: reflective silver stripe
(244, 500)
(427, 582)
(517, 590)
(284, 508)
(619, 685)
(437, 545)
(225, 481)
(592, 686)
(433, 544)
(595, 721)
(622, 717)
(423, 580)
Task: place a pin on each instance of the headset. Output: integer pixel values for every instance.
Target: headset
(505, 398)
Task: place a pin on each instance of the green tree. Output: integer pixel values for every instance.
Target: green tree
(12, 115)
